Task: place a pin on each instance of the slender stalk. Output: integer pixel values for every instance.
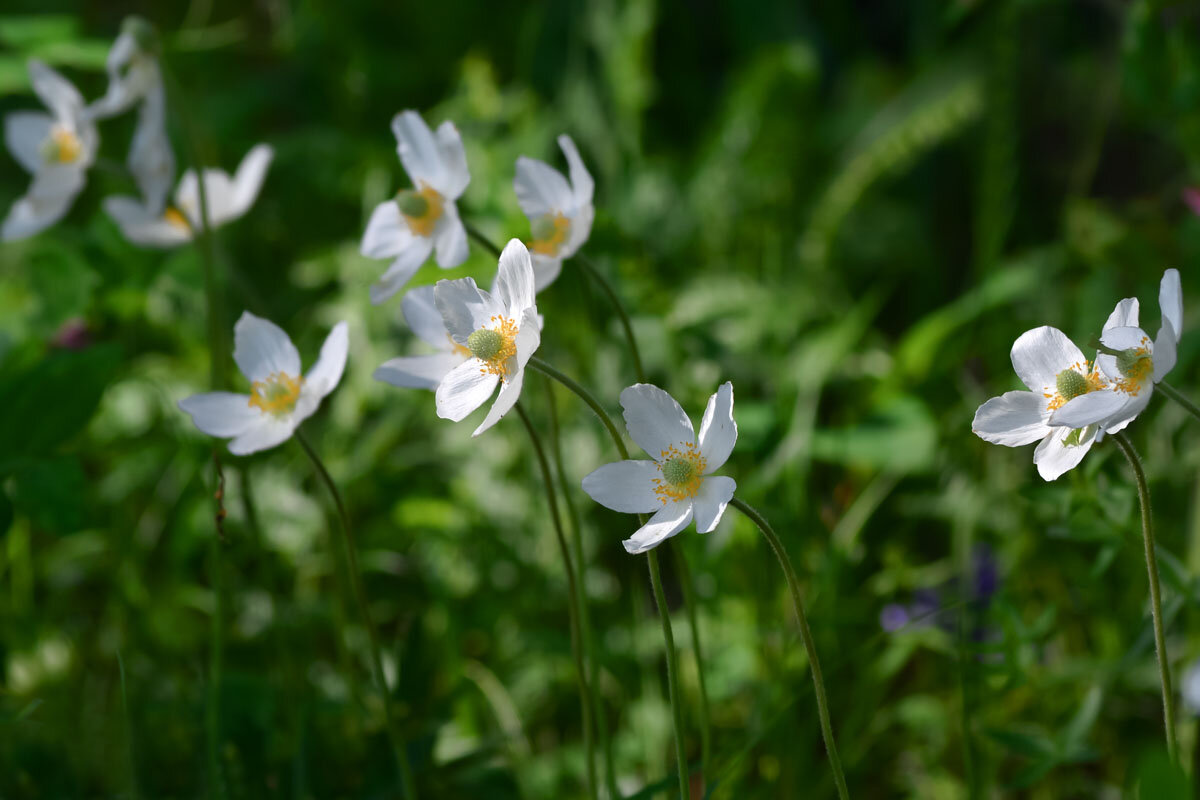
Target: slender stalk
(1160, 643)
(585, 702)
(598, 276)
(806, 634)
(360, 597)
(585, 623)
(689, 603)
(481, 238)
(212, 711)
(664, 614)
(1173, 393)
(131, 761)
(585, 396)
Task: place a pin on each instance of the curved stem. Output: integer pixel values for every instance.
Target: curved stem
(572, 600)
(1160, 643)
(664, 614)
(689, 603)
(585, 396)
(360, 597)
(1173, 393)
(597, 276)
(480, 237)
(806, 634)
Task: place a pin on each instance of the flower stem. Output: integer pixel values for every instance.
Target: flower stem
(689, 603)
(806, 634)
(585, 396)
(598, 276)
(481, 238)
(360, 597)
(585, 703)
(664, 614)
(1160, 643)
(1173, 393)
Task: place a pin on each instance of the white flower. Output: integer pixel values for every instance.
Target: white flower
(423, 372)
(1132, 363)
(560, 215)
(228, 198)
(56, 148)
(1189, 688)
(500, 330)
(280, 396)
(678, 485)
(1056, 372)
(411, 225)
(133, 71)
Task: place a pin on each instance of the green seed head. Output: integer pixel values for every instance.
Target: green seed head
(485, 344)
(543, 228)
(678, 471)
(1071, 384)
(412, 204)
(1133, 363)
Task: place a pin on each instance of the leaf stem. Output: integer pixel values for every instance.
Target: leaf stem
(664, 614)
(360, 597)
(806, 634)
(596, 275)
(689, 604)
(480, 237)
(585, 396)
(1160, 644)
(1173, 393)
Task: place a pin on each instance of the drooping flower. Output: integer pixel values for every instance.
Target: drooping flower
(408, 227)
(280, 398)
(56, 148)
(1132, 363)
(227, 198)
(499, 329)
(1056, 372)
(560, 214)
(678, 484)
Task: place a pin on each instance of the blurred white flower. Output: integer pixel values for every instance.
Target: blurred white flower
(500, 330)
(56, 148)
(280, 396)
(560, 214)
(1190, 688)
(678, 485)
(227, 198)
(411, 225)
(423, 372)
(1132, 363)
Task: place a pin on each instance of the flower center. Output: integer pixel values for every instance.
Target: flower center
(494, 346)
(549, 233)
(1136, 365)
(62, 146)
(421, 208)
(682, 473)
(277, 394)
(1073, 381)
(175, 218)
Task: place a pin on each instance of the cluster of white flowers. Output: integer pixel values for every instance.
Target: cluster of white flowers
(1072, 402)
(58, 149)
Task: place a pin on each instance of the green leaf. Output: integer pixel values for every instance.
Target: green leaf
(51, 494)
(1160, 778)
(29, 32)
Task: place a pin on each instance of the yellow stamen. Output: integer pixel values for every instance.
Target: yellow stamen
(682, 473)
(457, 348)
(429, 201)
(1137, 366)
(63, 146)
(1090, 373)
(175, 218)
(549, 233)
(497, 347)
(277, 394)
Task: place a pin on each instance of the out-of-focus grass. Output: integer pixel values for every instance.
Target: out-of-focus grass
(850, 211)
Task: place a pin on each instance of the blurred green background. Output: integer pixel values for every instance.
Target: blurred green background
(849, 209)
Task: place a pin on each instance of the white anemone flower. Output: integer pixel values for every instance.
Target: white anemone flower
(1132, 363)
(410, 226)
(280, 398)
(678, 485)
(56, 148)
(501, 331)
(228, 198)
(1056, 372)
(560, 214)
(423, 372)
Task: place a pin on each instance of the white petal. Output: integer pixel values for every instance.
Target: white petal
(218, 194)
(670, 520)
(24, 133)
(151, 160)
(1012, 419)
(1093, 408)
(221, 414)
(417, 372)
(510, 392)
(514, 280)
(1124, 315)
(327, 372)
(545, 270)
(248, 180)
(654, 420)
(59, 94)
(454, 161)
(262, 349)
(451, 238)
(1165, 346)
(401, 270)
(387, 234)
(1125, 338)
(709, 503)
(580, 229)
(1053, 458)
(422, 315)
(626, 486)
(142, 227)
(718, 430)
(582, 185)
(529, 336)
(268, 432)
(1040, 354)
(464, 389)
(48, 200)
(419, 151)
(541, 189)
(1170, 301)
(459, 302)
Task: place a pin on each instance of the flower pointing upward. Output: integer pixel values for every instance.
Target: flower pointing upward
(280, 397)
(560, 214)
(678, 484)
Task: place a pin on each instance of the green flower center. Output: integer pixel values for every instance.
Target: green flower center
(678, 471)
(485, 344)
(412, 204)
(1071, 384)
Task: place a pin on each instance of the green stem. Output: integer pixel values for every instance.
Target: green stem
(481, 238)
(360, 597)
(129, 757)
(689, 603)
(597, 276)
(585, 704)
(585, 396)
(806, 634)
(1173, 393)
(1160, 643)
(664, 614)
(216, 650)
